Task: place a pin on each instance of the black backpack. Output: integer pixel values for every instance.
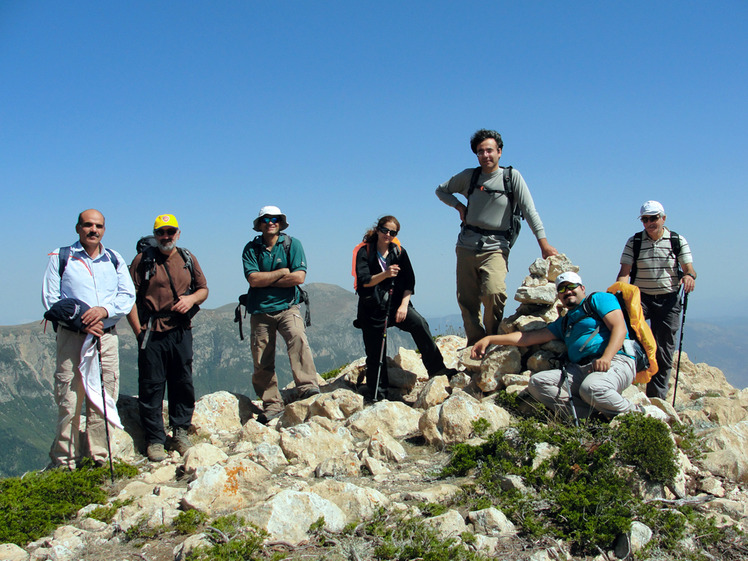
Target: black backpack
(637, 246)
(512, 233)
(149, 248)
(244, 298)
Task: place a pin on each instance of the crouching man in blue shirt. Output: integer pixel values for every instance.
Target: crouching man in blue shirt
(599, 369)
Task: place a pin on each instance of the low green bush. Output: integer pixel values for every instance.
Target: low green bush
(33, 505)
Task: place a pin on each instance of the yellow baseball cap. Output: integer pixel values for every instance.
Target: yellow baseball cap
(165, 220)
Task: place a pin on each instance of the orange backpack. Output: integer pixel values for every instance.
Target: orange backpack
(631, 303)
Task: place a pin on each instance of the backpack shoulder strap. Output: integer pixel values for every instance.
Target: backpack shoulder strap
(508, 183)
(113, 258)
(675, 244)
(473, 182)
(637, 247)
(64, 257)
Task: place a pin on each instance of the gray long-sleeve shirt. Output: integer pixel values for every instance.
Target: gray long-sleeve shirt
(489, 210)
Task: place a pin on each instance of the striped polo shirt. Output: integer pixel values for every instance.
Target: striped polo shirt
(657, 266)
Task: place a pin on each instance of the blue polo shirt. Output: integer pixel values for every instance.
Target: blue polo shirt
(270, 299)
(580, 326)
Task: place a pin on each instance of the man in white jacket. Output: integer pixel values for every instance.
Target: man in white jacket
(98, 276)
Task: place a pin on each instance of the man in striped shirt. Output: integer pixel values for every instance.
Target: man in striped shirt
(659, 261)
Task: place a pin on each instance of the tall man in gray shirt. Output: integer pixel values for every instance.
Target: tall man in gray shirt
(485, 238)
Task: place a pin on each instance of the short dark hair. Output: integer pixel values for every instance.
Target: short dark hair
(485, 134)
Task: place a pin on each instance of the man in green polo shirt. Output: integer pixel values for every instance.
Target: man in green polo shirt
(274, 269)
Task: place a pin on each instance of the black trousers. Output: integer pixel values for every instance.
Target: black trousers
(166, 361)
(663, 313)
(417, 326)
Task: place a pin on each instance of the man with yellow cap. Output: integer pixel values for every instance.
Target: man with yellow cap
(170, 286)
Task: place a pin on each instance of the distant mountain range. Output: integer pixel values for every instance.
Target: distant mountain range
(224, 362)
(221, 362)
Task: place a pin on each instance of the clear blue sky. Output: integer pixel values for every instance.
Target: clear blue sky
(339, 112)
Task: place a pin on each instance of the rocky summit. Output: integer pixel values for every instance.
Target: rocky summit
(333, 461)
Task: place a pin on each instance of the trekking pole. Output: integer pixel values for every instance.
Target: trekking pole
(103, 401)
(680, 345)
(567, 386)
(382, 356)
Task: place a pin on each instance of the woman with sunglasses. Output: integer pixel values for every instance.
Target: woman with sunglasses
(385, 282)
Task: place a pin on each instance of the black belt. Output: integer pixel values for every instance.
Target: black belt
(660, 296)
(65, 327)
(484, 232)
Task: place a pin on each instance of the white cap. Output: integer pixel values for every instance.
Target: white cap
(651, 208)
(270, 211)
(568, 276)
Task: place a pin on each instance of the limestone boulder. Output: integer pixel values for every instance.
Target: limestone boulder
(500, 360)
(347, 465)
(254, 433)
(270, 456)
(558, 264)
(385, 448)
(410, 361)
(434, 392)
(491, 522)
(218, 413)
(395, 418)
(452, 421)
(729, 451)
(227, 487)
(357, 503)
(296, 442)
(543, 294)
(451, 524)
(337, 405)
(201, 455)
(288, 515)
(12, 552)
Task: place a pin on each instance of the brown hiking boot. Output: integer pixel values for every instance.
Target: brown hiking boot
(181, 441)
(156, 452)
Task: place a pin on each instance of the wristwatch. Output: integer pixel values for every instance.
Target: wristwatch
(692, 275)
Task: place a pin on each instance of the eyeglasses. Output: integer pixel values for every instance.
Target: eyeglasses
(566, 287)
(270, 219)
(654, 218)
(387, 231)
(165, 232)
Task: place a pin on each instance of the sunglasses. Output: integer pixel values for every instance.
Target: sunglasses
(270, 219)
(570, 286)
(646, 219)
(165, 232)
(387, 231)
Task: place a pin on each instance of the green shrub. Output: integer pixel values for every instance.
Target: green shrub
(333, 373)
(106, 513)
(480, 426)
(34, 505)
(188, 522)
(646, 443)
(238, 541)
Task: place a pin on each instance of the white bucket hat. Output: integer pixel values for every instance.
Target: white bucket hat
(568, 276)
(270, 211)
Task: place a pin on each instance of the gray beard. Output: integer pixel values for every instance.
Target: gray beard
(166, 246)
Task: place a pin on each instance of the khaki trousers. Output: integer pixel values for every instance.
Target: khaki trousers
(290, 325)
(481, 279)
(70, 396)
